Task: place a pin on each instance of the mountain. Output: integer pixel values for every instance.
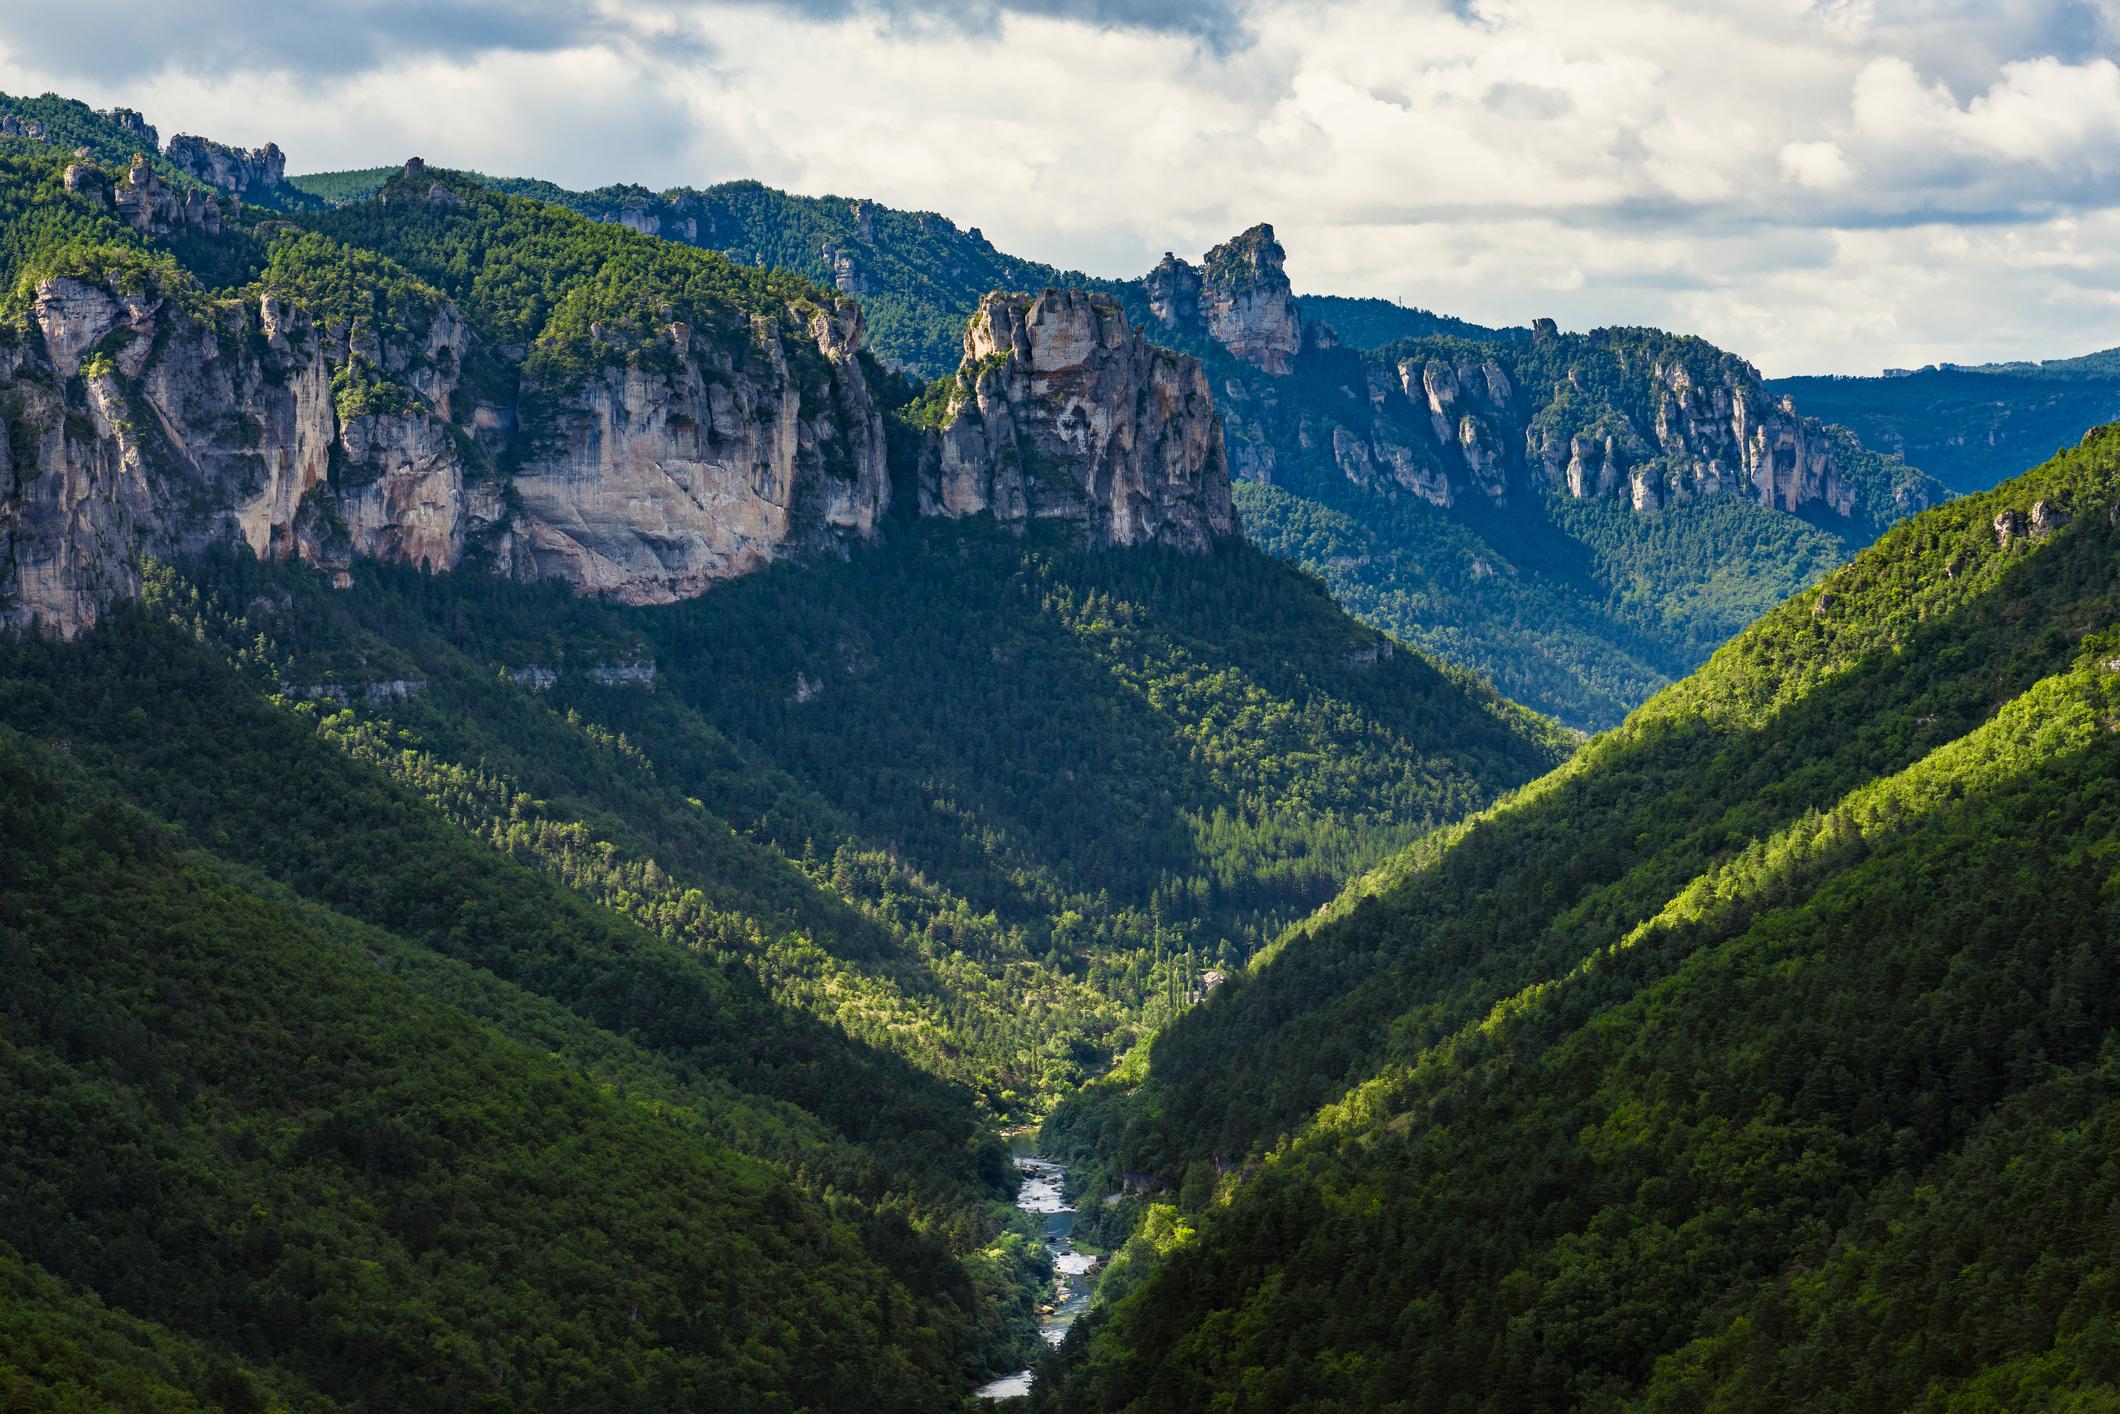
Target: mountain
(580, 403)
(1580, 526)
(1970, 425)
(118, 136)
(554, 804)
(1762, 1056)
(252, 1136)
(1579, 518)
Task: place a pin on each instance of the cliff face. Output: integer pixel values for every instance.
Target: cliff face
(649, 486)
(141, 421)
(229, 169)
(1064, 410)
(1638, 416)
(1240, 298)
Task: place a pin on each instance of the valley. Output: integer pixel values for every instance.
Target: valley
(707, 798)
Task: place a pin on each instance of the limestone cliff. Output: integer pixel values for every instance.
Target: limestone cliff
(143, 422)
(230, 169)
(1062, 409)
(145, 419)
(649, 486)
(1638, 416)
(1240, 298)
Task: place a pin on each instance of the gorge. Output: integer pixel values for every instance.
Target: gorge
(710, 799)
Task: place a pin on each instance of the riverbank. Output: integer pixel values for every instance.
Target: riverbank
(1044, 1195)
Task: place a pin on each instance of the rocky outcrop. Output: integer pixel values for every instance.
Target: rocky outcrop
(1063, 410)
(2045, 519)
(157, 425)
(845, 264)
(1240, 298)
(144, 421)
(650, 485)
(143, 201)
(250, 174)
(136, 127)
(1247, 303)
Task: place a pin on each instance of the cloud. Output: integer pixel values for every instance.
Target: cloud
(1819, 165)
(1822, 185)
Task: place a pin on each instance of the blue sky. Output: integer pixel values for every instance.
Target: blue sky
(1821, 185)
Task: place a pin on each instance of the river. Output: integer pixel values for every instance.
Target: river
(1044, 1193)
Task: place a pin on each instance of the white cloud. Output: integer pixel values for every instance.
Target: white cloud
(1821, 166)
(1818, 184)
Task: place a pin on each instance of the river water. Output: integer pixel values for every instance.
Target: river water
(1044, 1194)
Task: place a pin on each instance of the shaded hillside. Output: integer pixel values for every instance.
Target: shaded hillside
(1971, 425)
(308, 1102)
(893, 788)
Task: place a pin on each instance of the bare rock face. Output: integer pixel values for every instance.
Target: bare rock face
(1249, 307)
(229, 169)
(1639, 417)
(210, 426)
(150, 205)
(1240, 298)
(135, 126)
(649, 486)
(1173, 289)
(847, 275)
(1065, 411)
(1469, 406)
(141, 424)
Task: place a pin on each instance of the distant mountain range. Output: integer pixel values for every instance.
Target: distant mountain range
(1969, 425)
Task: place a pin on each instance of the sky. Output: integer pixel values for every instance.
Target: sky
(1824, 186)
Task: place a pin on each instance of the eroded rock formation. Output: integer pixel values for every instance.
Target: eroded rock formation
(1065, 411)
(650, 486)
(141, 422)
(229, 169)
(1239, 297)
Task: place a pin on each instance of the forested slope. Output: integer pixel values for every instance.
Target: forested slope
(989, 802)
(1436, 514)
(254, 1126)
(1692, 1076)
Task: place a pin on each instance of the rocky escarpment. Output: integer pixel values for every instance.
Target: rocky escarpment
(230, 169)
(1062, 409)
(143, 419)
(1636, 416)
(1240, 298)
(653, 479)
(1712, 429)
(143, 201)
(1639, 416)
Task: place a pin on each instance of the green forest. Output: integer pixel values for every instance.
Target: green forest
(1691, 1076)
(1970, 426)
(450, 991)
